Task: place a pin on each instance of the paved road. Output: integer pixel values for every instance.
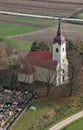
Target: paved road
(40, 16)
(67, 121)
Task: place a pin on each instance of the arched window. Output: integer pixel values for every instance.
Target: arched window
(63, 49)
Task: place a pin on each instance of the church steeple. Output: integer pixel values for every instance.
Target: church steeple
(59, 29)
(59, 45)
(59, 38)
(59, 55)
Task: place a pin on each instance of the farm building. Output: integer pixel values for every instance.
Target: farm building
(44, 66)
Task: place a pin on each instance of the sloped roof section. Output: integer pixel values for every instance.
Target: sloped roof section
(42, 55)
(39, 58)
(27, 69)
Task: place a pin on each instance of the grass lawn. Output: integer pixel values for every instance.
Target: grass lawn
(7, 29)
(77, 125)
(33, 20)
(13, 29)
(49, 111)
(19, 44)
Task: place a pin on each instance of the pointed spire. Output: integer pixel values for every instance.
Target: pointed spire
(59, 38)
(59, 28)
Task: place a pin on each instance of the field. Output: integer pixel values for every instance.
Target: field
(78, 125)
(26, 21)
(44, 7)
(19, 44)
(11, 29)
(27, 30)
(70, 31)
(15, 25)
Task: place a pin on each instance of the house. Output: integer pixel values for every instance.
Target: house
(44, 66)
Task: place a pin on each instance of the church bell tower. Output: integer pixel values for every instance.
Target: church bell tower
(59, 55)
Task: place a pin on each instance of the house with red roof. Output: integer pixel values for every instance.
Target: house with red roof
(44, 66)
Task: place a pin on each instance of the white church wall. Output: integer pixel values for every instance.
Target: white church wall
(45, 75)
(31, 78)
(21, 77)
(60, 56)
(25, 78)
(56, 55)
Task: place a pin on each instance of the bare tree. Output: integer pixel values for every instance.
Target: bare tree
(74, 67)
(13, 65)
(50, 76)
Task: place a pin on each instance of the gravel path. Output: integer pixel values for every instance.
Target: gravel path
(67, 121)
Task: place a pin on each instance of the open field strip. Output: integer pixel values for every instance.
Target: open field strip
(34, 20)
(21, 20)
(22, 31)
(12, 29)
(18, 25)
(71, 31)
(43, 22)
(19, 44)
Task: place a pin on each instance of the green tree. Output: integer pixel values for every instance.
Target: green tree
(39, 45)
(70, 45)
(35, 46)
(79, 47)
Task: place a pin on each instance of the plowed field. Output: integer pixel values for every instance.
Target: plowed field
(63, 8)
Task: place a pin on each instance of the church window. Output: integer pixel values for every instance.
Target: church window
(57, 50)
(63, 70)
(63, 49)
(63, 78)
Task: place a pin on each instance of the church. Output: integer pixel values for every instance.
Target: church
(44, 66)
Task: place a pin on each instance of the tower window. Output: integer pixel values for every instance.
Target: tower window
(63, 49)
(63, 78)
(57, 50)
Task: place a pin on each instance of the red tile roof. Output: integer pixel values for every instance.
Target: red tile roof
(42, 55)
(27, 69)
(38, 58)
